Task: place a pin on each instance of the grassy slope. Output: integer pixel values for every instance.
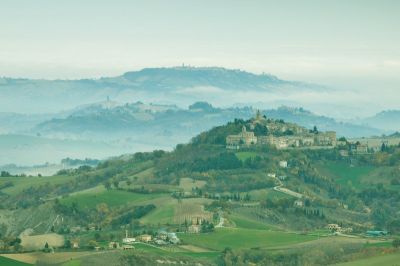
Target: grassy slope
(243, 155)
(110, 197)
(246, 223)
(72, 263)
(178, 252)
(344, 174)
(392, 259)
(162, 215)
(148, 250)
(21, 183)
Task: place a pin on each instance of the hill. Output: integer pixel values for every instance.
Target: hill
(388, 120)
(169, 123)
(177, 84)
(138, 126)
(308, 119)
(244, 203)
(134, 126)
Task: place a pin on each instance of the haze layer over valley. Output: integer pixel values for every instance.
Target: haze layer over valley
(156, 108)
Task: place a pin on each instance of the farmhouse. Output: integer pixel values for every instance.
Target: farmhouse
(163, 235)
(128, 240)
(145, 238)
(333, 227)
(173, 238)
(283, 164)
(299, 203)
(160, 242)
(194, 229)
(75, 244)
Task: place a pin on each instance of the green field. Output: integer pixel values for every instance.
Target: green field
(243, 222)
(392, 260)
(176, 251)
(243, 155)
(72, 263)
(162, 215)
(9, 262)
(348, 175)
(110, 197)
(240, 238)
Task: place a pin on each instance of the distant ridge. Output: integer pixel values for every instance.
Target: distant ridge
(177, 85)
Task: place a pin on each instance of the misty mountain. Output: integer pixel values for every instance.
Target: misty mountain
(183, 85)
(144, 123)
(388, 120)
(169, 123)
(309, 120)
(110, 128)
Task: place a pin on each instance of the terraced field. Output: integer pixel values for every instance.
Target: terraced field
(170, 210)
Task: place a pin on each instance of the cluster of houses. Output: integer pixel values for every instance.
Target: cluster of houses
(338, 229)
(354, 148)
(281, 135)
(335, 228)
(162, 238)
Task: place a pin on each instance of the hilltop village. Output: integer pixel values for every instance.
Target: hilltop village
(280, 134)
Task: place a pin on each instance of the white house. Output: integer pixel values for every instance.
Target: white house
(128, 240)
(283, 164)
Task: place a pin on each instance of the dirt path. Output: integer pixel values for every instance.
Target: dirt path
(287, 191)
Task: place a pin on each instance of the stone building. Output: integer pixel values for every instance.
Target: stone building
(243, 138)
(327, 138)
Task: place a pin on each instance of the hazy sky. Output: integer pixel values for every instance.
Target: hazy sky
(341, 43)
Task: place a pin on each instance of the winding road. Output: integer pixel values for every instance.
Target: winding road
(287, 191)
